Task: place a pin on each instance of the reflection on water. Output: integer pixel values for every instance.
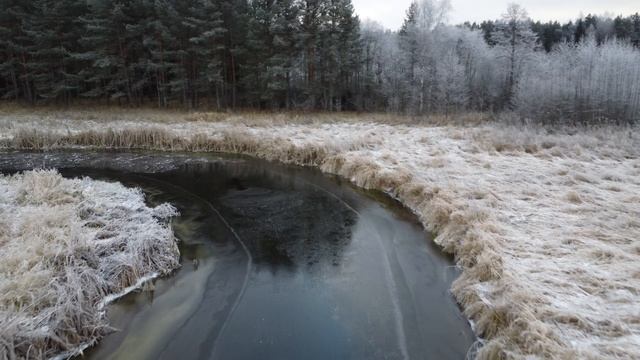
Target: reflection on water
(278, 263)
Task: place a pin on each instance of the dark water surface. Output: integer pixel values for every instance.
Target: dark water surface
(277, 263)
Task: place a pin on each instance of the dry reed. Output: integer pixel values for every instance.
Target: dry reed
(543, 277)
(66, 245)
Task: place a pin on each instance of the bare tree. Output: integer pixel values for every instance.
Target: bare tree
(515, 43)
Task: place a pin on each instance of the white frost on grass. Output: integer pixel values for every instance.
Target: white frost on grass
(66, 247)
(545, 224)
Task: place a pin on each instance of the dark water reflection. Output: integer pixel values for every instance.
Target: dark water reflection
(278, 263)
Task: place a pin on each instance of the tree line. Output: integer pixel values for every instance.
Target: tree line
(430, 67)
(553, 33)
(216, 53)
(317, 55)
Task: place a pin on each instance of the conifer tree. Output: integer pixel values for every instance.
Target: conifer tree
(112, 43)
(281, 64)
(635, 33)
(158, 42)
(311, 13)
(53, 36)
(349, 53)
(409, 41)
(14, 56)
(235, 18)
(258, 45)
(203, 24)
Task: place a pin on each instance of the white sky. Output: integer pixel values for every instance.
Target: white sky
(390, 13)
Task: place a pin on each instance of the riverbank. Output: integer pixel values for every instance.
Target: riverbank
(544, 223)
(67, 248)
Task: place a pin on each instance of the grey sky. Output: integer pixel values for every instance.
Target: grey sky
(391, 12)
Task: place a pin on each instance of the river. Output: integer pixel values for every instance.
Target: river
(278, 262)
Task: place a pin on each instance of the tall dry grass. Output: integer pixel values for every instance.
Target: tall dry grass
(502, 199)
(65, 245)
(14, 112)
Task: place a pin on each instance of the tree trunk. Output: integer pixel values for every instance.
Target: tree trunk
(288, 99)
(233, 81)
(14, 81)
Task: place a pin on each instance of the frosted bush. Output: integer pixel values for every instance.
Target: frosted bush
(66, 245)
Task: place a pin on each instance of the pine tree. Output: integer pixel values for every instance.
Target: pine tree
(203, 23)
(311, 14)
(349, 50)
(622, 28)
(112, 42)
(258, 44)
(409, 46)
(580, 31)
(487, 28)
(13, 50)
(158, 42)
(235, 15)
(53, 36)
(635, 35)
(281, 64)
(181, 59)
(549, 33)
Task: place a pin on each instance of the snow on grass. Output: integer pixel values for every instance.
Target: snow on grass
(544, 223)
(66, 246)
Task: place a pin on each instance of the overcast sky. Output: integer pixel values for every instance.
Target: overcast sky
(390, 13)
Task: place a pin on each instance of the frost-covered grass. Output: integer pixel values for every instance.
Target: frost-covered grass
(66, 246)
(543, 222)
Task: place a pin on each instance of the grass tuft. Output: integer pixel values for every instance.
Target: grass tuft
(65, 245)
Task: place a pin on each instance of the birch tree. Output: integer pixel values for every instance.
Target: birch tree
(514, 44)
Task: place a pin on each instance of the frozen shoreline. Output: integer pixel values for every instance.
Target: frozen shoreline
(69, 247)
(544, 225)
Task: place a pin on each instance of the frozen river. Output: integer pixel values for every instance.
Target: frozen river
(278, 262)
